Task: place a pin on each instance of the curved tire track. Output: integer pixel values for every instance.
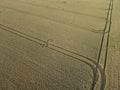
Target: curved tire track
(86, 60)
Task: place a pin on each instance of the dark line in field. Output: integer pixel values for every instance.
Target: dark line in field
(99, 67)
(55, 21)
(101, 46)
(29, 38)
(37, 39)
(108, 36)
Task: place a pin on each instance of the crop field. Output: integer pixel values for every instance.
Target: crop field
(54, 44)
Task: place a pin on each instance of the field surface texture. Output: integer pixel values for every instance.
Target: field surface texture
(59, 44)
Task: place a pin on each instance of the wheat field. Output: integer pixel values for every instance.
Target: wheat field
(59, 45)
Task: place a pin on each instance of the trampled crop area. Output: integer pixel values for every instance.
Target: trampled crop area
(54, 44)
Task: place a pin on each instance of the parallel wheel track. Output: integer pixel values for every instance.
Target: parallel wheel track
(64, 51)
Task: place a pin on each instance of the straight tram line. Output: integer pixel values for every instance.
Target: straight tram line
(108, 23)
(55, 21)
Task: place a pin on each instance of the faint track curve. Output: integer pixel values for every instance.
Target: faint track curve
(55, 21)
(41, 42)
(69, 11)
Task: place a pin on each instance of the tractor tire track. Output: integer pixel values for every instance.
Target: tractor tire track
(86, 60)
(28, 65)
(108, 24)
